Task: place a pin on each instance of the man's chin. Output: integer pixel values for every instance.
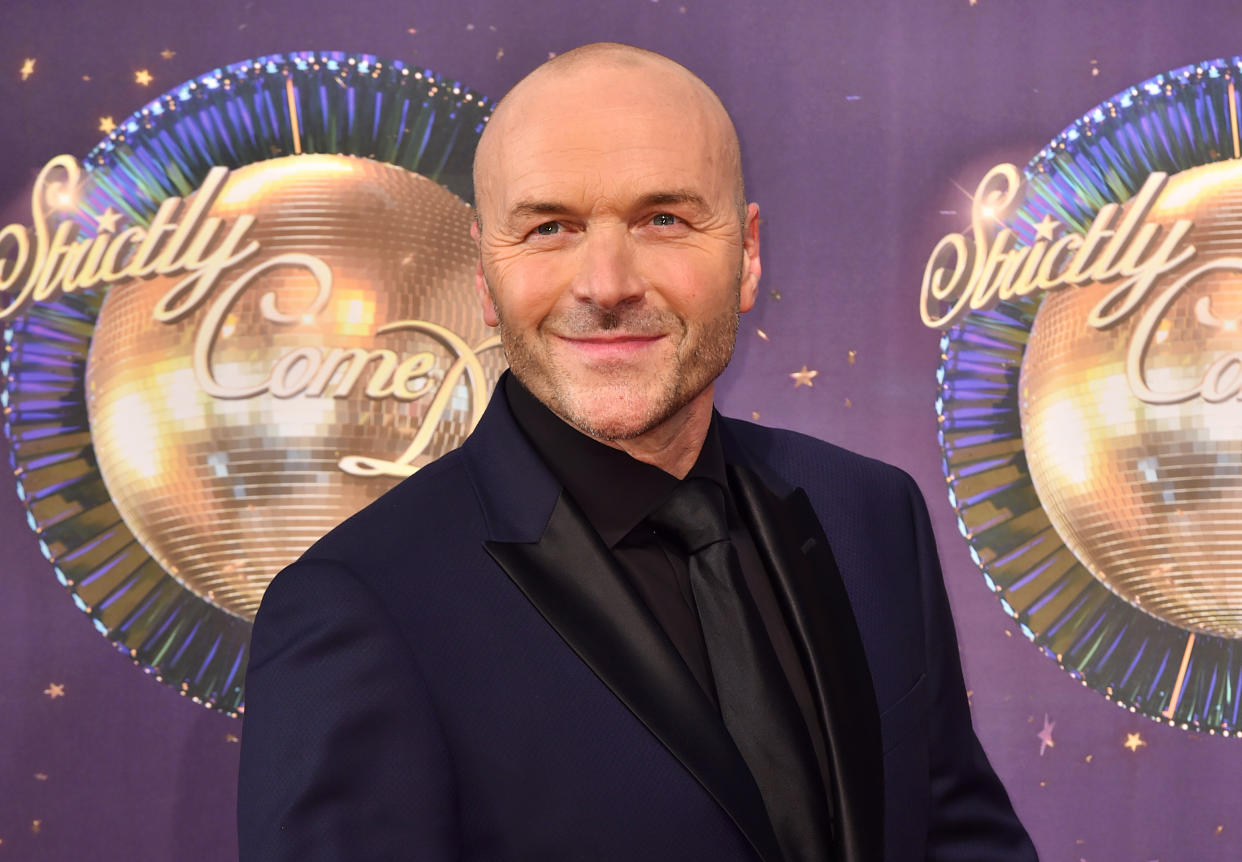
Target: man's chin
(621, 416)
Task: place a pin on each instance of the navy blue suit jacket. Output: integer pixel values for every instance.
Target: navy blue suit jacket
(460, 671)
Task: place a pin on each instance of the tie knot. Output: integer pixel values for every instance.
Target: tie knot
(693, 516)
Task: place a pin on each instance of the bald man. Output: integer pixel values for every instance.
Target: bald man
(615, 625)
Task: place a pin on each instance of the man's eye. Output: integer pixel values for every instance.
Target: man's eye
(664, 219)
(548, 228)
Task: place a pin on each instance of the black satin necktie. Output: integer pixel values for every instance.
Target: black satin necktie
(756, 702)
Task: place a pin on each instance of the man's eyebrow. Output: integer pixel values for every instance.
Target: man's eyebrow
(523, 209)
(674, 197)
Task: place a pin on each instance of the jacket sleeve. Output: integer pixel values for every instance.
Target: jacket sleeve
(970, 818)
(342, 754)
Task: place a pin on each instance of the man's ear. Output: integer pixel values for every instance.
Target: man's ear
(748, 289)
(480, 284)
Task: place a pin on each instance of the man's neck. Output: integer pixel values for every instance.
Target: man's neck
(675, 443)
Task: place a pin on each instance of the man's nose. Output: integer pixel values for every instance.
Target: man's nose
(607, 275)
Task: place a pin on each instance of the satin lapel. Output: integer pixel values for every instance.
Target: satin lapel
(817, 608)
(570, 578)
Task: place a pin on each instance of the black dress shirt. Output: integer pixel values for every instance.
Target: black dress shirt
(616, 493)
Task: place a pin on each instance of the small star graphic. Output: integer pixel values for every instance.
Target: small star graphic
(106, 124)
(168, 53)
(1134, 741)
(849, 403)
(803, 377)
(1088, 758)
(500, 52)
(54, 690)
(143, 77)
(974, 2)
(232, 737)
(411, 30)
(86, 77)
(107, 221)
(762, 334)
(36, 826)
(27, 68)
(1045, 736)
(40, 776)
(851, 356)
(1046, 228)
(754, 414)
(1220, 829)
(775, 294)
(469, 26)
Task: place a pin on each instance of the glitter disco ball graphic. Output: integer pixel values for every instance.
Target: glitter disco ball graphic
(360, 163)
(1107, 526)
(225, 491)
(1148, 496)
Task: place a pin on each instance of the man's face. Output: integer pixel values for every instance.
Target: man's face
(611, 249)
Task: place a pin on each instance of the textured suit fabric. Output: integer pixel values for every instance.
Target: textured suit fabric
(406, 700)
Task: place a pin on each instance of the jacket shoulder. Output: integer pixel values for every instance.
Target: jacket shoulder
(820, 467)
(437, 501)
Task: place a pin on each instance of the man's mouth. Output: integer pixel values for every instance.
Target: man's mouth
(611, 346)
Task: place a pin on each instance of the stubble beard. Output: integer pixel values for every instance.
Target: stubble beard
(578, 401)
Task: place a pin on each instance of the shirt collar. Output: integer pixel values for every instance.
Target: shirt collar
(614, 491)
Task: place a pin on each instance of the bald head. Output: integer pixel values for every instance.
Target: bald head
(616, 249)
(604, 77)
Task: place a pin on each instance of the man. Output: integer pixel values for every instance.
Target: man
(525, 652)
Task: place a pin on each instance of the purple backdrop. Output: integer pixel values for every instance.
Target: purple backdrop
(861, 126)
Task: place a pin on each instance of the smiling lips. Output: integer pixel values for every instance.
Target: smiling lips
(611, 346)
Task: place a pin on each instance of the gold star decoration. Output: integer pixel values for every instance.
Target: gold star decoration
(500, 53)
(54, 690)
(107, 221)
(86, 77)
(106, 124)
(850, 356)
(143, 77)
(27, 68)
(1134, 741)
(411, 30)
(849, 403)
(1088, 758)
(36, 826)
(232, 737)
(803, 377)
(761, 334)
(775, 294)
(1046, 228)
(1045, 736)
(168, 53)
(754, 414)
(40, 776)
